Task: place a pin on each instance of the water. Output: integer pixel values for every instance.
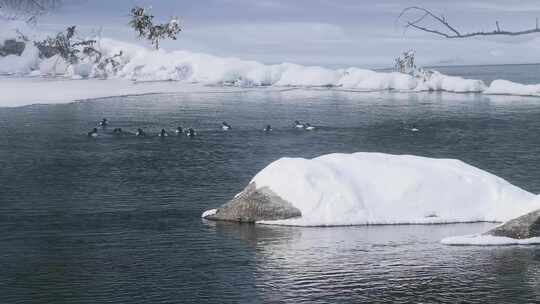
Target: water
(117, 220)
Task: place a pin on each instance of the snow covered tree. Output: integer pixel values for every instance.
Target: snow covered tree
(405, 63)
(67, 46)
(143, 23)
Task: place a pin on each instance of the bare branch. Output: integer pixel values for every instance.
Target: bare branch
(422, 23)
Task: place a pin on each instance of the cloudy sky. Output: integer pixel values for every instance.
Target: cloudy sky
(331, 33)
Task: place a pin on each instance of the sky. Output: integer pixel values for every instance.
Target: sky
(332, 33)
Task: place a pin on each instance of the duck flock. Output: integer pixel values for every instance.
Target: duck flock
(190, 132)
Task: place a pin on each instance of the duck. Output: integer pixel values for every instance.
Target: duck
(163, 133)
(104, 122)
(117, 131)
(191, 133)
(309, 127)
(414, 128)
(93, 133)
(225, 126)
(140, 132)
(179, 130)
(268, 128)
(298, 125)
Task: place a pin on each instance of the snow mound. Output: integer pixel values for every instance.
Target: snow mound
(376, 188)
(441, 82)
(487, 240)
(505, 87)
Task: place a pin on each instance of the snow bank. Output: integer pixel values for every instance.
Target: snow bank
(506, 87)
(375, 188)
(133, 62)
(16, 92)
(143, 64)
(441, 82)
(487, 240)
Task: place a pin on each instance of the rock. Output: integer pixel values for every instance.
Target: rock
(253, 205)
(523, 227)
(12, 47)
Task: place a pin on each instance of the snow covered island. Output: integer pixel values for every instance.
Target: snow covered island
(374, 188)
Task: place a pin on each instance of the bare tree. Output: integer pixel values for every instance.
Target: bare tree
(425, 20)
(29, 10)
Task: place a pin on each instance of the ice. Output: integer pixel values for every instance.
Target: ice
(375, 188)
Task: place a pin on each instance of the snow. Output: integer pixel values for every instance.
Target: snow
(441, 82)
(23, 65)
(506, 87)
(17, 92)
(209, 212)
(487, 240)
(375, 188)
(136, 63)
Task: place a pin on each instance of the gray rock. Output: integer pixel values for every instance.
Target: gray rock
(523, 227)
(253, 205)
(12, 47)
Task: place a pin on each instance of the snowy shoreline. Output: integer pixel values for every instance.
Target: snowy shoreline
(127, 69)
(24, 91)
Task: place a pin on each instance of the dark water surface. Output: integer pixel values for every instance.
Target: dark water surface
(117, 219)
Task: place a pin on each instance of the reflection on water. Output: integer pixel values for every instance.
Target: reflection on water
(398, 264)
(117, 219)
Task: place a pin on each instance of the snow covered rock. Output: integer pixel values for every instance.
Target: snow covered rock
(524, 230)
(523, 227)
(11, 47)
(20, 65)
(253, 205)
(376, 188)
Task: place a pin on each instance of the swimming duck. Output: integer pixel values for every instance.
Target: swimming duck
(191, 133)
(104, 122)
(414, 128)
(298, 125)
(117, 131)
(93, 133)
(225, 126)
(140, 132)
(309, 127)
(163, 133)
(179, 130)
(268, 128)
